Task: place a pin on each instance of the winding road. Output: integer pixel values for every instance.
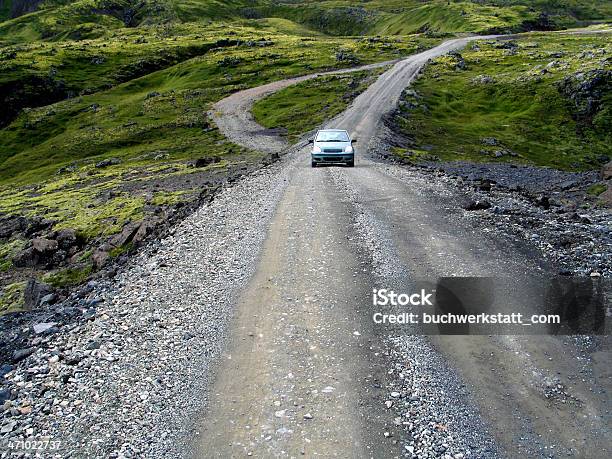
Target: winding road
(307, 372)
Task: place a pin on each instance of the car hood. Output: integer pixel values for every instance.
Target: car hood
(332, 145)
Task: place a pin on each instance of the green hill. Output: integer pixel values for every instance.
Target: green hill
(30, 20)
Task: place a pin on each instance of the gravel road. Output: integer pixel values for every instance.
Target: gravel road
(248, 331)
(387, 225)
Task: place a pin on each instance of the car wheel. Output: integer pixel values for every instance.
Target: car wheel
(313, 164)
(351, 163)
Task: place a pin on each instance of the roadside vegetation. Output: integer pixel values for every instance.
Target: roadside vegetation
(541, 99)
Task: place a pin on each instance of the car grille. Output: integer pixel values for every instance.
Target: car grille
(332, 150)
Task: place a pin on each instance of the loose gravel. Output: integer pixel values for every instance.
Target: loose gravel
(431, 403)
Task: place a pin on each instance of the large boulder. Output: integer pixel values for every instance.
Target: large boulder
(37, 224)
(126, 235)
(66, 238)
(606, 197)
(101, 255)
(44, 245)
(146, 227)
(41, 251)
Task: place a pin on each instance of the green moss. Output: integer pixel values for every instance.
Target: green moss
(116, 251)
(7, 251)
(11, 297)
(164, 198)
(597, 189)
(69, 276)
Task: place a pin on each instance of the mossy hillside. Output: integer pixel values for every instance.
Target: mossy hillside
(8, 251)
(83, 19)
(305, 106)
(42, 73)
(166, 110)
(153, 128)
(512, 94)
(86, 19)
(438, 16)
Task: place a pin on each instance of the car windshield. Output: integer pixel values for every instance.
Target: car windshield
(332, 136)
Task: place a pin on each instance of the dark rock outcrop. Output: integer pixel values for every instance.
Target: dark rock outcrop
(40, 251)
(34, 292)
(12, 225)
(586, 91)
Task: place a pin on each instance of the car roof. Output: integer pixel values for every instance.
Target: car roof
(333, 130)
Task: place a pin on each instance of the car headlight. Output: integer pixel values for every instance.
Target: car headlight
(316, 149)
(348, 149)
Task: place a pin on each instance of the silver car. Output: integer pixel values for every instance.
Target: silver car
(332, 146)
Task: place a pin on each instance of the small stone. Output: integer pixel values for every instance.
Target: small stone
(280, 413)
(92, 345)
(388, 403)
(25, 409)
(308, 416)
(395, 394)
(21, 354)
(47, 299)
(8, 428)
(43, 327)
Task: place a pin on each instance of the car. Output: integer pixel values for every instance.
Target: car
(332, 146)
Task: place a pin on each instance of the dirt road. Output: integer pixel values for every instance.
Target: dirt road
(307, 372)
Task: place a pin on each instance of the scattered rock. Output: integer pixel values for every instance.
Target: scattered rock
(108, 162)
(12, 225)
(43, 327)
(490, 141)
(606, 171)
(147, 226)
(477, 205)
(126, 235)
(101, 255)
(21, 354)
(66, 238)
(483, 79)
(543, 201)
(343, 55)
(206, 161)
(229, 61)
(8, 427)
(41, 251)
